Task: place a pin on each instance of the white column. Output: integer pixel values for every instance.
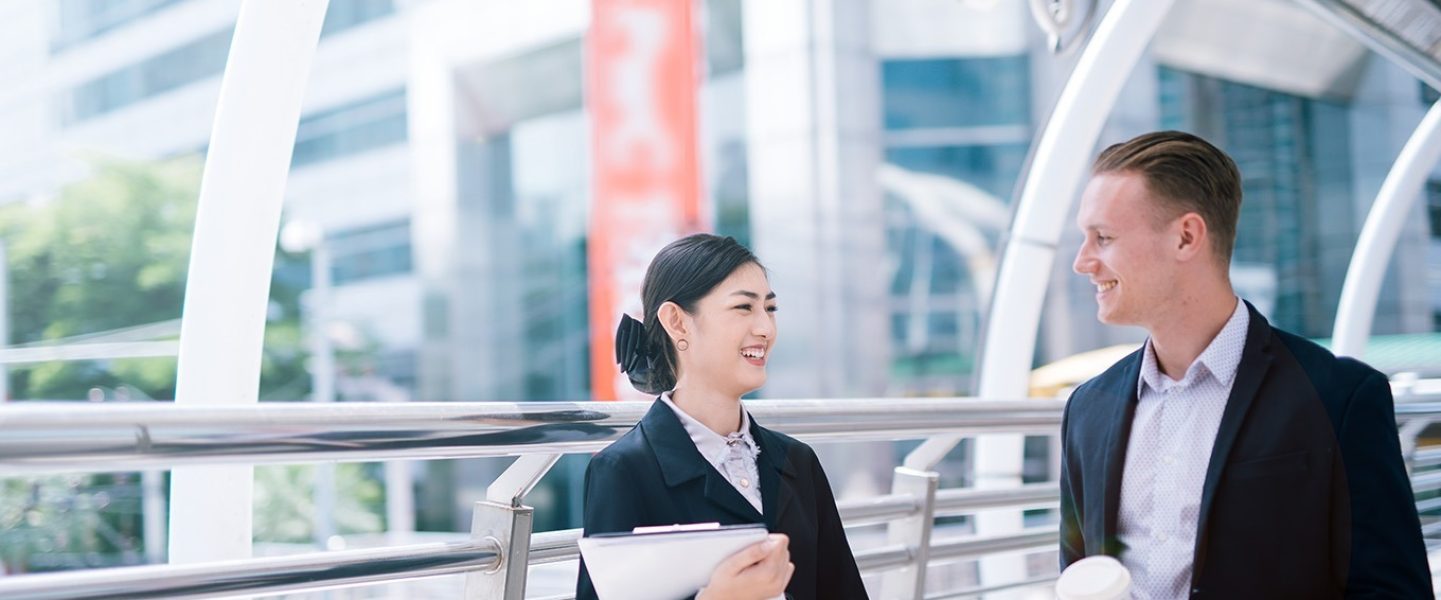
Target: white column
(4, 320)
(322, 376)
(813, 135)
(232, 256)
(1378, 238)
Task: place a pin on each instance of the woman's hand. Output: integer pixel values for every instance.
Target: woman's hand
(759, 572)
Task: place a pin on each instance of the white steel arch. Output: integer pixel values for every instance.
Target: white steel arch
(232, 255)
(1059, 164)
(1379, 235)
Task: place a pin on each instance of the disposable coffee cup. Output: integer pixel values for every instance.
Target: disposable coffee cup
(1094, 578)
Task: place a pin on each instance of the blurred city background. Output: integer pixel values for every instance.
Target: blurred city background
(443, 216)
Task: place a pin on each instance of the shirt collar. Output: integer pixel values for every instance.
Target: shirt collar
(711, 445)
(1221, 358)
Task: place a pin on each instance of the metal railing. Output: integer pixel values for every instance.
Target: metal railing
(42, 437)
(65, 437)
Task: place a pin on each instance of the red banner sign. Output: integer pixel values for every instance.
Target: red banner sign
(641, 80)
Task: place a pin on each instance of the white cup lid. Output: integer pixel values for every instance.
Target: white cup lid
(1094, 578)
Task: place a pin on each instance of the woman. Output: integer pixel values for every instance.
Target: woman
(697, 456)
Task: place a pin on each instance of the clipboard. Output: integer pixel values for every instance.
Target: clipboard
(662, 563)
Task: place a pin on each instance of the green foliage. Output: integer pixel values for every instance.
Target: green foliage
(112, 251)
(109, 252)
(70, 522)
(285, 508)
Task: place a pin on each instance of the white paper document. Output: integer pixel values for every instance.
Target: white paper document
(662, 563)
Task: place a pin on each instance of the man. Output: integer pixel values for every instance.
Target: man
(1224, 458)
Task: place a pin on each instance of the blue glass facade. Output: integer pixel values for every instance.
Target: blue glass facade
(968, 119)
(366, 124)
(199, 59)
(1293, 154)
(369, 252)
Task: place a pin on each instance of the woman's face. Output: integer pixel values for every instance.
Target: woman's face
(730, 335)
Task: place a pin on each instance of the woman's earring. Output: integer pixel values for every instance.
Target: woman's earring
(682, 345)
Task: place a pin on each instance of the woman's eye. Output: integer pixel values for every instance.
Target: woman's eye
(772, 308)
(744, 307)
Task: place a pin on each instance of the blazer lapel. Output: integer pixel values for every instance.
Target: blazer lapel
(680, 462)
(1122, 397)
(778, 476)
(1255, 362)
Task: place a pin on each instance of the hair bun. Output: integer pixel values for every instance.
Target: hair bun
(635, 356)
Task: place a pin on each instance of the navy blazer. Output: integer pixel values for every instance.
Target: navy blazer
(1305, 496)
(654, 475)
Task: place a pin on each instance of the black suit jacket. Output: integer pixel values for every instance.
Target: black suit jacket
(654, 475)
(1305, 496)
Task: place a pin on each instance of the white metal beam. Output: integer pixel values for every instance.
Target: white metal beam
(232, 255)
(1059, 165)
(1379, 235)
(1061, 160)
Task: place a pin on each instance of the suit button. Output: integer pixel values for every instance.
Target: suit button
(1195, 591)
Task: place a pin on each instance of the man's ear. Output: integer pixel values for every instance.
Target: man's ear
(673, 318)
(1192, 237)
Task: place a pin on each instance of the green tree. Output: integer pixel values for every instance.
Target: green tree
(110, 252)
(284, 506)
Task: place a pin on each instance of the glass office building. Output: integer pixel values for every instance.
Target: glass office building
(873, 166)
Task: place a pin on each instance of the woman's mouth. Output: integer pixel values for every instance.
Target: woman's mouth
(755, 355)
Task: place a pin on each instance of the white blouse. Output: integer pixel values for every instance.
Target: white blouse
(733, 455)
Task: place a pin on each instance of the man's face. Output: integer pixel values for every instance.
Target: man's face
(1128, 253)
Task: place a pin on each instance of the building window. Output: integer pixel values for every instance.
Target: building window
(1293, 153)
(370, 252)
(81, 20)
(1429, 95)
(367, 124)
(343, 15)
(192, 62)
(968, 120)
(1433, 207)
(956, 92)
(724, 41)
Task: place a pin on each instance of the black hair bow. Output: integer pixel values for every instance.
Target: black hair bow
(632, 350)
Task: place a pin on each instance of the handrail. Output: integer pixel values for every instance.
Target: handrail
(964, 500)
(558, 546)
(1424, 408)
(51, 437)
(269, 575)
(1426, 457)
(48, 437)
(1426, 482)
(977, 546)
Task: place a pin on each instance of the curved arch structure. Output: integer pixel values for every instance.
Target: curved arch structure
(232, 255)
(1379, 235)
(1061, 158)
(1060, 162)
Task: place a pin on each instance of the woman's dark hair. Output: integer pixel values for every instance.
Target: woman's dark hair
(683, 272)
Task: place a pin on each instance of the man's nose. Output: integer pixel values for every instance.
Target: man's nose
(1084, 263)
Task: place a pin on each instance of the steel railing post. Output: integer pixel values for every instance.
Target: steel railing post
(914, 532)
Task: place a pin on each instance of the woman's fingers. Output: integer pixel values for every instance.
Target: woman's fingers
(747, 557)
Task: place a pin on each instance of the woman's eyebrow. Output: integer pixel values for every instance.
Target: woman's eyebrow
(753, 295)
